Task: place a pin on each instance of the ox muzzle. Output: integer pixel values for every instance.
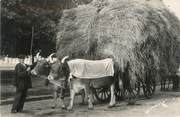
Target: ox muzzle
(33, 72)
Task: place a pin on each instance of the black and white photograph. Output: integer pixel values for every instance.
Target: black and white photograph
(90, 58)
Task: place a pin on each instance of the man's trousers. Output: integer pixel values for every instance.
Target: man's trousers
(19, 100)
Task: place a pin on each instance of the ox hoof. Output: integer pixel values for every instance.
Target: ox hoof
(111, 106)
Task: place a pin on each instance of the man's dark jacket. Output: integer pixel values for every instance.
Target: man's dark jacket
(22, 79)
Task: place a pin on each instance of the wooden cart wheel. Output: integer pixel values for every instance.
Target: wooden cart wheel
(119, 94)
(102, 94)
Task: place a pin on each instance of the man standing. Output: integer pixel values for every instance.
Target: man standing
(22, 83)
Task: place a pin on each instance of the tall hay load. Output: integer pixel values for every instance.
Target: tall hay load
(141, 34)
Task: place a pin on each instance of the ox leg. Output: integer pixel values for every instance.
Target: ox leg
(83, 96)
(71, 100)
(121, 88)
(62, 99)
(88, 92)
(113, 100)
(55, 99)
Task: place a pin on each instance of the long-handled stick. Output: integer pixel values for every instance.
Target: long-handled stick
(31, 49)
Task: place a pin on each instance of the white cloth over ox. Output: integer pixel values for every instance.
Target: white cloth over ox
(88, 69)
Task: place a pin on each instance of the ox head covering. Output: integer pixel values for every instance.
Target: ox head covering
(81, 68)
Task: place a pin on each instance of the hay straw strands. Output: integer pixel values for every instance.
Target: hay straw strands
(130, 31)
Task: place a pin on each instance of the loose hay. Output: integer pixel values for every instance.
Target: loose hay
(145, 35)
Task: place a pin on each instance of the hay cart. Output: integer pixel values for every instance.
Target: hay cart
(146, 88)
(103, 94)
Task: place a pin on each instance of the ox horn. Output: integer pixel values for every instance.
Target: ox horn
(38, 56)
(63, 59)
(49, 58)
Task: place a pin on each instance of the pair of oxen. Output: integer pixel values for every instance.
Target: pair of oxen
(58, 73)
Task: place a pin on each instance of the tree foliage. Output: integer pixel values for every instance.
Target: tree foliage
(18, 17)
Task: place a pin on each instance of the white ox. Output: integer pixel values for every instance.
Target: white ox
(87, 75)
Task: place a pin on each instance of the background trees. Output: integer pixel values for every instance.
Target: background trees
(17, 19)
(19, 16)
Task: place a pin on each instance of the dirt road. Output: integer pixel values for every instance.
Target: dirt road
(163, 104)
